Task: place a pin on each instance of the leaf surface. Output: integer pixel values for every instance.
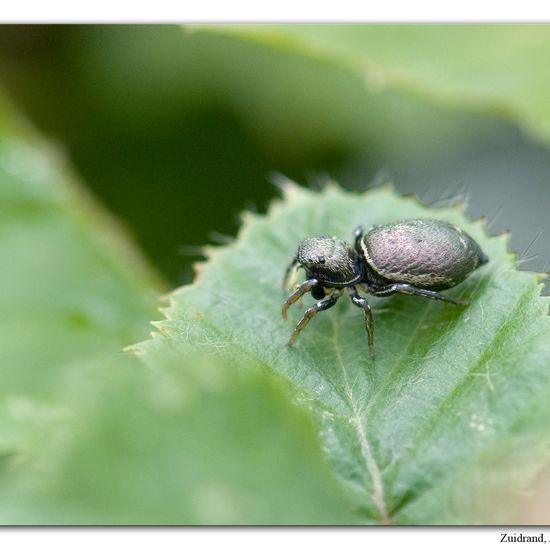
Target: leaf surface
(431, 430)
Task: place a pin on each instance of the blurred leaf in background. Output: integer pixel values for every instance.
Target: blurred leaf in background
(72, 285)
(488, 67)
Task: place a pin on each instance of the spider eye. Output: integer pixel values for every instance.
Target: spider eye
(321, 259)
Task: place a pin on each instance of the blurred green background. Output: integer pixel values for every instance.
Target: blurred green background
(177, 130)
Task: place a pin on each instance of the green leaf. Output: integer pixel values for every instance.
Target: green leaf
(90, 435)
(434, 430)
(73, 293)
(71, 286)
(497, 68)
(189, 441)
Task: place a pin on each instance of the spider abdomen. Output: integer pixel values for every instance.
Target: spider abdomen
(426, 253)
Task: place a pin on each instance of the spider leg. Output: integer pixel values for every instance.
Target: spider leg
(292, 268)
(361, 302)
(403, 288)
(357, 236)
(322, 305)
(297, 294)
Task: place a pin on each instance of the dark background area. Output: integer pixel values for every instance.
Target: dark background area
(176, 132)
